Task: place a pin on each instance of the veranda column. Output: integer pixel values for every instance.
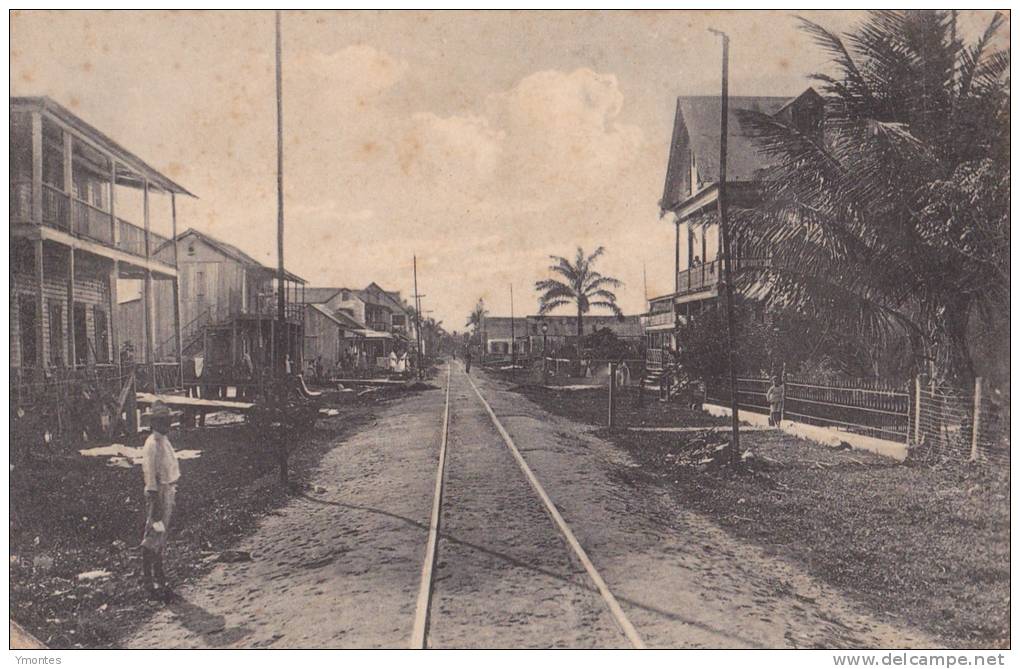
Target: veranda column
(150, 325)
(177, 292)
(72, 344)
(40, 352)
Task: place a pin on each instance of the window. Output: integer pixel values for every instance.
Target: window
(56, 314)
(26, 326)
(199, 284)
(102, 334)
(81, 334)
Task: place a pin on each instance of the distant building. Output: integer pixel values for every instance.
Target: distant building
(384, 320)
(560, 330)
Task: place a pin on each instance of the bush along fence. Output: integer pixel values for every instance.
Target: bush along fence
(70, 406)
(934, 422)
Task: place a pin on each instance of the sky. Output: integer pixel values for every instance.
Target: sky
(482, 142)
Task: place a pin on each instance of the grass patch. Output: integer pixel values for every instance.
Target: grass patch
(926, 546)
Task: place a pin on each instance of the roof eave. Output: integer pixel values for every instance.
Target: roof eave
(43, 103)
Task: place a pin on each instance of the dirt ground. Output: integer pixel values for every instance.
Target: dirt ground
(920, 545)
(343, 570)
(504, 577)
(74, 515)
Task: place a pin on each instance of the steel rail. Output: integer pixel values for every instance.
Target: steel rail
(610, 600)
(420, 631)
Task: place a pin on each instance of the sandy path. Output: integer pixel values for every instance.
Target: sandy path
(343, 570)
(504, 576)
(683, 582)
(338, 572)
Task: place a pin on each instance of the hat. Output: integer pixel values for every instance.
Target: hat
(159, 409)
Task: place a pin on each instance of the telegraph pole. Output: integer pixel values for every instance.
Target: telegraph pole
(281, 298)
(417, 316)
(727, 270)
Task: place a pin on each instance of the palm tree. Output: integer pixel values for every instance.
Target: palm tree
(895, 220)
(583, 287)
(476, 321)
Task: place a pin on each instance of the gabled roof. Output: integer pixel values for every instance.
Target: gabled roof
(319, 295)
(340, 318)
(696, 126)
(389, 297)
(233, 252)
(43, 103)
(348, 320)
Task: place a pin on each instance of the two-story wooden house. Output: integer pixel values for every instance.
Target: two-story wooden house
(691, 195)
(84, 214)
(229, 310)
(386, 321)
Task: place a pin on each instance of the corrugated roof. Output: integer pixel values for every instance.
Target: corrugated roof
(232, 251)
(157, 178)
(340, 318)
(696, 128)
(391, 298)
(319, 295)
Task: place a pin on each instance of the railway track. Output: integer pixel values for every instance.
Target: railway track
(475, 569)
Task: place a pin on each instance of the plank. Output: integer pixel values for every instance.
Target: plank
(181, 401)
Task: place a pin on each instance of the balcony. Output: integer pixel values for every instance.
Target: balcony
(661, 319)
(265, 308)
(81, 219)
(706, 276)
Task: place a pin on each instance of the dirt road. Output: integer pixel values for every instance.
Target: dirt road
(343, 569)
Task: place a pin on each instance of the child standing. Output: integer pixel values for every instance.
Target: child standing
(776, 395)
(160, 472)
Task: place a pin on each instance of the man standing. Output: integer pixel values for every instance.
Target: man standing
(776, 395)
(467, 359)
(160, 472)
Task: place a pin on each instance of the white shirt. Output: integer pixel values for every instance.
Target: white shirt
(159, 462)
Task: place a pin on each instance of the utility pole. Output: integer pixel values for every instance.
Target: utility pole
(724, 230)
(417, 316)
(281, 298)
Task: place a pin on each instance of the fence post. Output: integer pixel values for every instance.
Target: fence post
(612, 394)
(976, 421)
(917, 410)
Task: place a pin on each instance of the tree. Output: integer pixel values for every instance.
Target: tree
(895, 221)
(582, 287)
(476, 321)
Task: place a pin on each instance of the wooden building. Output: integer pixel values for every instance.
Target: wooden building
(386, 321)
(228, 305)
(82, 223)
(332, 339)
(529, 339)
(691, 194)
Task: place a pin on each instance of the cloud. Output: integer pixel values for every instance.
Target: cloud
(551, 134)
(459, 148)
(360, 69)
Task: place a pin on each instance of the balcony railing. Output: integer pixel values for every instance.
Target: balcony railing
(55, 205)
(293, 311)
(658, 320)
(92, 222)
(61, 212)
(706, 275)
